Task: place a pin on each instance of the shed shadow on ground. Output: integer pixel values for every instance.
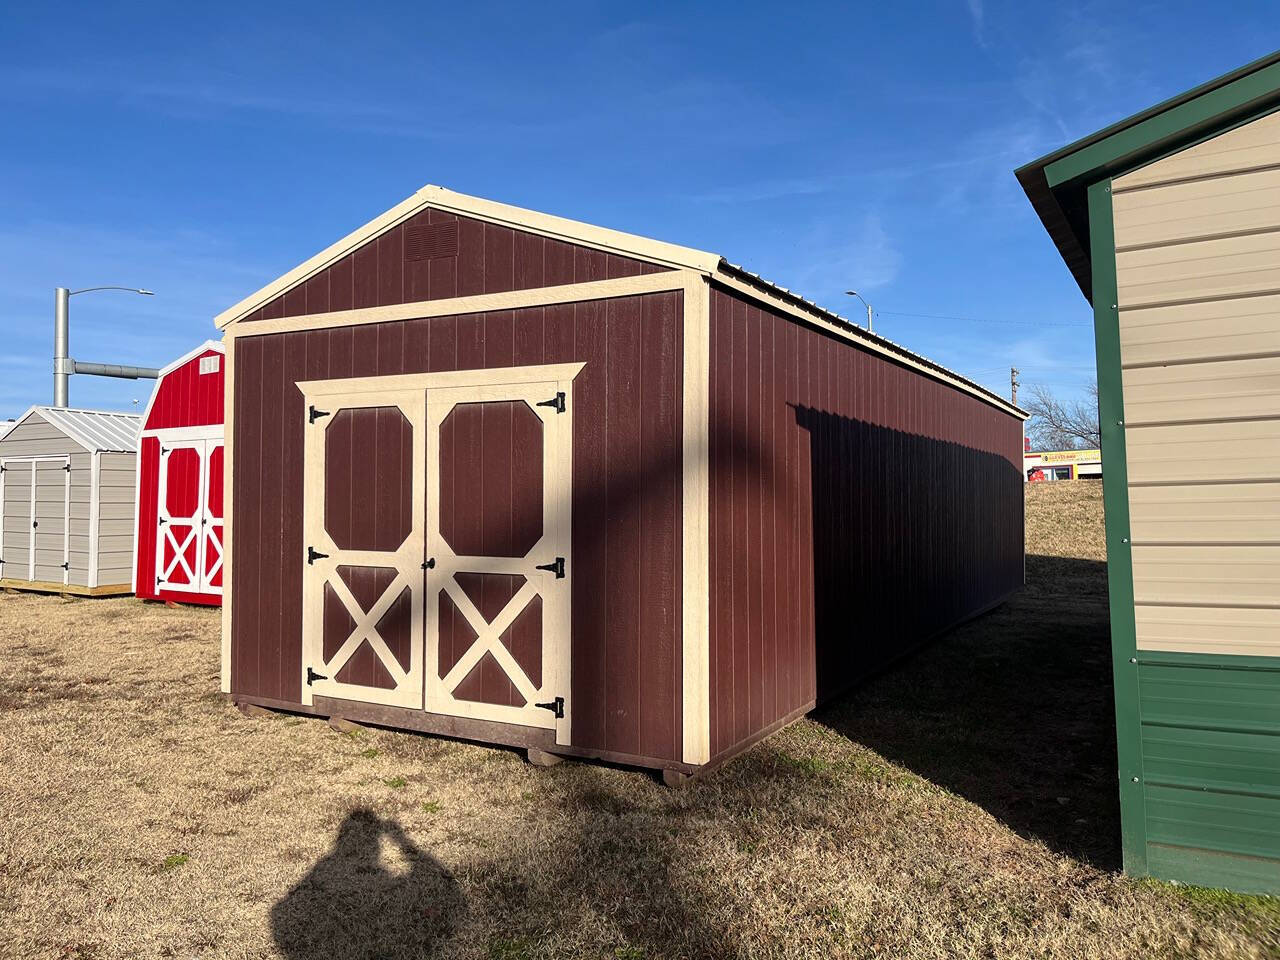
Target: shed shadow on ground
(352, 904)
(1013, 712)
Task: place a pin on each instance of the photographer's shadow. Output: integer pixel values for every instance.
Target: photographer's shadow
(352, 904)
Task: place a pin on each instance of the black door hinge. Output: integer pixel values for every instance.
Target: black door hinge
(556, 403)
(313, 556)
(66, 566)
(67, 467)
(162, 521)
(429, 564)
(312, 676)
(35, 523)
(556, 567)
(313, 414)
(556, 706)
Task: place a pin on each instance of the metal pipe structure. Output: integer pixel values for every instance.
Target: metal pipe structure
(64, 366)
(115, 370)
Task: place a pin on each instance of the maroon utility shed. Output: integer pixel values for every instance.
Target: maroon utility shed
(505, 476)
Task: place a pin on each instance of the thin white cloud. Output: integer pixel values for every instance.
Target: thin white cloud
(976, 17)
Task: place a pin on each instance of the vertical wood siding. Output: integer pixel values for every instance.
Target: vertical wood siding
(626, 489)
(185, 397)
(488, 259)
(857, 509)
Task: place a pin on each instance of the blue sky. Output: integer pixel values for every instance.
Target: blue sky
(203, 151)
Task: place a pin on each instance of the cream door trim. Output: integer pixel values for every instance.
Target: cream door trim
(493, 376)
(406, 559)
(532, 386)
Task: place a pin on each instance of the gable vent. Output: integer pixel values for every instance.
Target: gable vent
(431, 241)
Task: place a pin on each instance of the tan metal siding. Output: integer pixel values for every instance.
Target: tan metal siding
(15, 539)
(1198, 273)
(81, 485)
(1216, 330)
(35, 437)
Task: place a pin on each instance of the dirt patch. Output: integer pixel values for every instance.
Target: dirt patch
(961, 805)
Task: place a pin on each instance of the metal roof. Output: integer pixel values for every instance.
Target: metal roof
(95, 430)
(1056, 184)
(656, 251)
(732, 269)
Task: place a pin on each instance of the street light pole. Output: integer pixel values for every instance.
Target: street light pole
(855, 293)
(64, 366)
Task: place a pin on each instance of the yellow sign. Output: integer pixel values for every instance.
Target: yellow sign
(1070, 456)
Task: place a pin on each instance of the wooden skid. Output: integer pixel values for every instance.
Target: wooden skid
(536, 741)
(43, 586)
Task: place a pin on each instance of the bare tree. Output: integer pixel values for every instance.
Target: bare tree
(1063, 425)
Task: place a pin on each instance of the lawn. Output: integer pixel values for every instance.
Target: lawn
(961, 805)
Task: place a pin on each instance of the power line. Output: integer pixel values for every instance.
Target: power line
(943, 316)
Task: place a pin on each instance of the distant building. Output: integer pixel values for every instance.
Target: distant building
(1062, 465)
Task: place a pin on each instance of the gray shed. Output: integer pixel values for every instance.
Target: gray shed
(67, 481)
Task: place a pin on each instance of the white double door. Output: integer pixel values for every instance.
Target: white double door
(189, 516)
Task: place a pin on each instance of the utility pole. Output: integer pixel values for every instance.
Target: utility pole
(1013, 385)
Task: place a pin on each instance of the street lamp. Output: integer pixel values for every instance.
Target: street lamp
(64, 366)
(855, 293)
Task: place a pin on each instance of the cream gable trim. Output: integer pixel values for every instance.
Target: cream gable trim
(438, 198)
(480, 303)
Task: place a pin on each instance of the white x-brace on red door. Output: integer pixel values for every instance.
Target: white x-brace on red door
(189, 517)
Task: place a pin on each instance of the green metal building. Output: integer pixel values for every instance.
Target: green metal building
(1170, 223)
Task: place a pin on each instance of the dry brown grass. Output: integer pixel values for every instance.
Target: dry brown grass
(962, 805)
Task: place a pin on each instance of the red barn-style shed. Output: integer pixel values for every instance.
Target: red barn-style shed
(505, 476)
(178, 550)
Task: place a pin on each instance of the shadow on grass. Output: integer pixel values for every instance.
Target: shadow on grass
(350, 904)
(1013, 711)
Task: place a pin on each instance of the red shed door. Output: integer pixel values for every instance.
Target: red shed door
(498, 538)
(363, 552)
(189, 517)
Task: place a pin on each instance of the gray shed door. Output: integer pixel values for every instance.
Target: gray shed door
(15, 550)
(36, 503)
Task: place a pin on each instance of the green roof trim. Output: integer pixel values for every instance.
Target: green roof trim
(1057, 184)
